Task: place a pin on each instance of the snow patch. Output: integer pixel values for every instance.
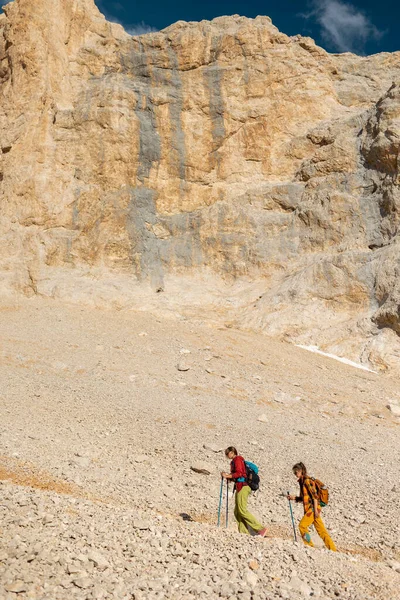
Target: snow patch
(346, 361)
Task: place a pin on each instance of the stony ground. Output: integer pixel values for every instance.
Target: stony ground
(102, 416)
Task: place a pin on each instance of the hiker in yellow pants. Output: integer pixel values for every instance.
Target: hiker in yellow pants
(306, 522)
(312, 508)
(242, 515)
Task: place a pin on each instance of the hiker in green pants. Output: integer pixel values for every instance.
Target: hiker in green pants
(245, 519)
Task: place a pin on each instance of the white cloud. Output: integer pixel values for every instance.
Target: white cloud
(139, 28)
(133, 29)
(345, 28)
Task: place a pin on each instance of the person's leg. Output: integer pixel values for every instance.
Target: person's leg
(241, 525)
(304, 524)
(248, 519)
(323, 534)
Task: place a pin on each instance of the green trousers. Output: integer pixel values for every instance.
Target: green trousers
(244, 518)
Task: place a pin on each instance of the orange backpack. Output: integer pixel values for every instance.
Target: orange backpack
(322, 491)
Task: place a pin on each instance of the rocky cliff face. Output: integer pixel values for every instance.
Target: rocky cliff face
(244, 173)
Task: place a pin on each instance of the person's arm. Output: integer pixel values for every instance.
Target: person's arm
(238, 468)
(295, 498)
(317, 509)
(225, 475)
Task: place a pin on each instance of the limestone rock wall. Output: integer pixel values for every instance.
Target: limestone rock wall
(239, 170)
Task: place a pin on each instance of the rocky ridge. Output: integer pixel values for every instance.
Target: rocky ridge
(239, 172)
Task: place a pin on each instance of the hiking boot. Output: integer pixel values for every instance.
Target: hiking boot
(262, 532)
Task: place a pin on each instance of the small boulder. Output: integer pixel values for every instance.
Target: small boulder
(285, 398)
(202, 468)
(140, 524)
(394, 408)
(297, 585)
(227, 590)
(263, 418)
(251, 578)
(47, 519)
(254, 565)
(98, 560)
(81, 461)
(213, 447)
(183, 366)
(83, 582)
(17, 587)
(140, 458)
(73, 569)
(394, 564)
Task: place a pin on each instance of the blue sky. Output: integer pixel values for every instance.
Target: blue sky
(360, 26)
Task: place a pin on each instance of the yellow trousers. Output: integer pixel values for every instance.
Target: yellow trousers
(244, 518)
(310, 519)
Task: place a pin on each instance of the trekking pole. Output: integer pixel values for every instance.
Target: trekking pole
(220, 501)
(291, 514)
(227, 498)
